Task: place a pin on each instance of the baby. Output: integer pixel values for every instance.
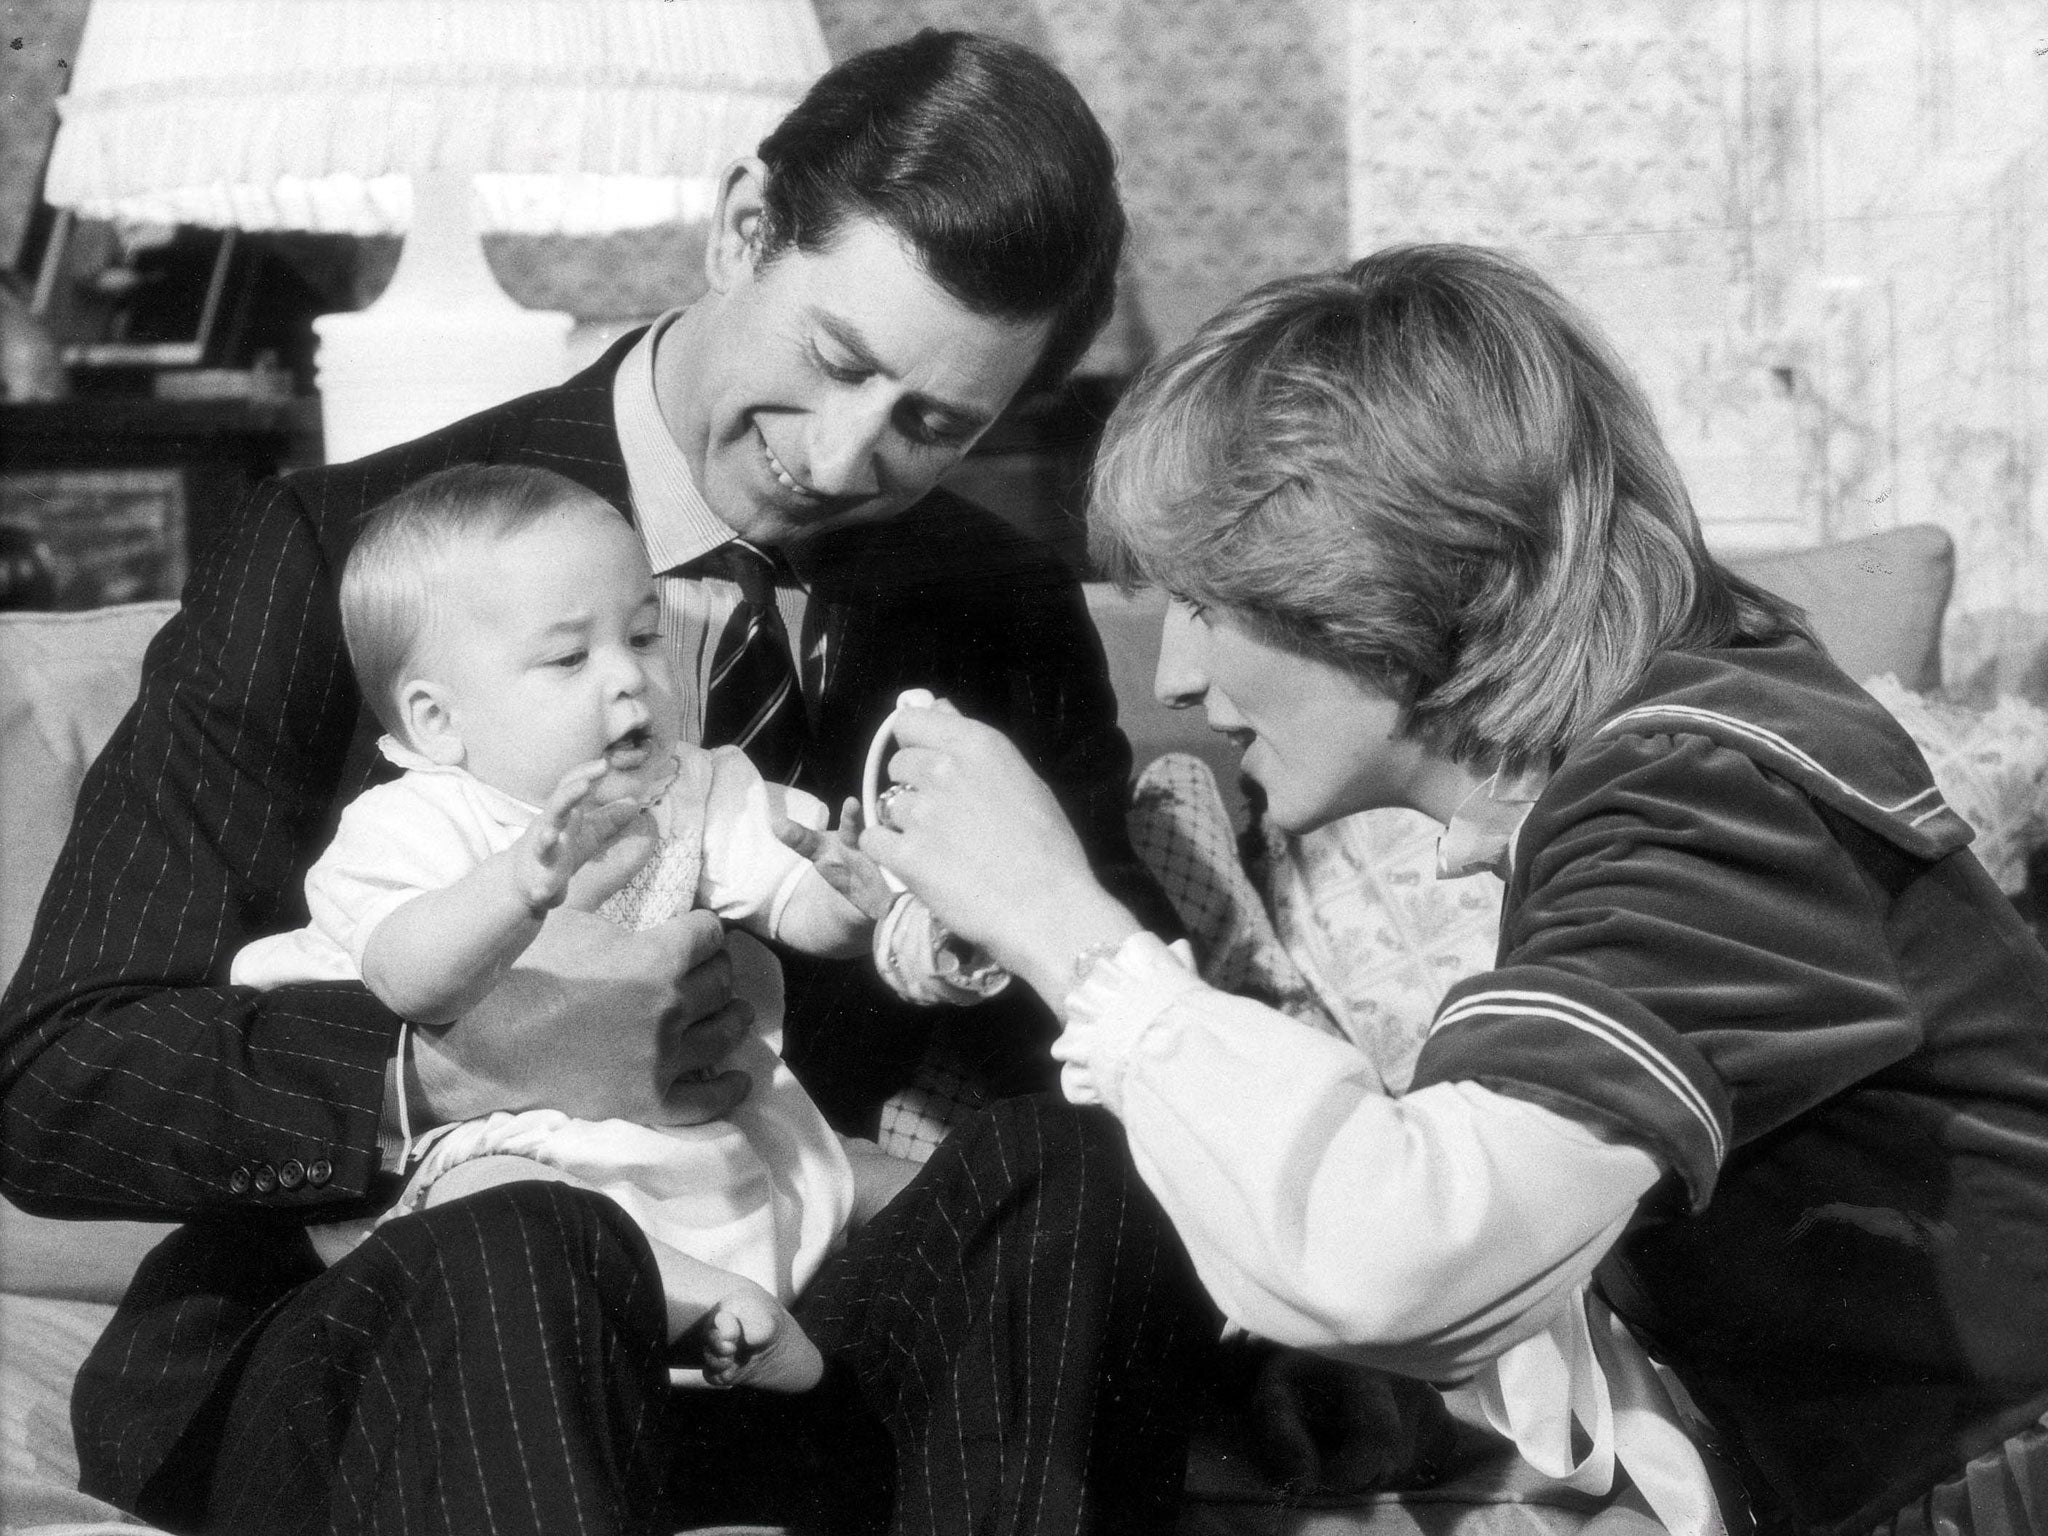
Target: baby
(506, 631)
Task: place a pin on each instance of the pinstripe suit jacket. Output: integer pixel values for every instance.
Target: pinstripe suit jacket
(134, 1082)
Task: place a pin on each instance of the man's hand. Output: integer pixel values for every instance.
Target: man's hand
(599, 1023)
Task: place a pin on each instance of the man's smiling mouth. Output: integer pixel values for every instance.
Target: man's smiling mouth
(782, 476)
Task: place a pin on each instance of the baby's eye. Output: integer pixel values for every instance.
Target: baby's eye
(568, 661)
(648, 641)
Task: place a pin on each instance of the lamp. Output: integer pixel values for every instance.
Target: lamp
(438, 118)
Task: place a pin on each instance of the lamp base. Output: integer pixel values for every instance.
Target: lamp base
(385, 378)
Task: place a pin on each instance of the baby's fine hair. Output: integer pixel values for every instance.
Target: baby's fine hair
(391, 586)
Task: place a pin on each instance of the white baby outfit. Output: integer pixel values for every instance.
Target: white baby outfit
(766, 1191)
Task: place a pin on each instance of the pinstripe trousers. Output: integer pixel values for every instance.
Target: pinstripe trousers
(1012, 1346)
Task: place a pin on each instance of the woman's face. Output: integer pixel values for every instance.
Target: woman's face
(1321, 741)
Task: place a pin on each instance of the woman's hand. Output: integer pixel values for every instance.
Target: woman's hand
(981, 840)
(1326, 1426)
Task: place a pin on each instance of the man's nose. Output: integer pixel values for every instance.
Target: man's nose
(1179, 681)
(846, 439)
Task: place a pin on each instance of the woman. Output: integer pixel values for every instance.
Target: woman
(1759, 1087)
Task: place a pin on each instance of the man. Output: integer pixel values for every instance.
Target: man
(934, 226)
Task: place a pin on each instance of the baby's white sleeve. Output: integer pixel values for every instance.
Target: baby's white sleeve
(922, 963)
(1423, 1234)
(393, 843)
(749, 872)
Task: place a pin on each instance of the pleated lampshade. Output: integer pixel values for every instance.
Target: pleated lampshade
(437, 118)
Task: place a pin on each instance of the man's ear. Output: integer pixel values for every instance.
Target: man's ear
(430, 723)
(735, 244)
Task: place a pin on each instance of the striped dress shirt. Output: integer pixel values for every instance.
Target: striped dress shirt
(678, 527)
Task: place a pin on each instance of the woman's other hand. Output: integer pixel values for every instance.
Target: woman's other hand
(1328, 1426)
(982, 841)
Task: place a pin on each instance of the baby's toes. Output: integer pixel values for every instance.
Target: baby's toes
(724, 1334)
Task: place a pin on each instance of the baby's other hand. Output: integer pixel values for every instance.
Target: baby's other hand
(749, 1339)
(836, 855)
(570, 831)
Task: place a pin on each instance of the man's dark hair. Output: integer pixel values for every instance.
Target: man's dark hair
(982, 156)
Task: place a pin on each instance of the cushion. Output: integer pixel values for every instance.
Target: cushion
(66, 679)
(1992, 766)
(1876, 602)
(1380, 937)
(42, 1343)
(89, 1261)
(1181, 829)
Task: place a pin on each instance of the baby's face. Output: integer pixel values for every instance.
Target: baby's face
(548, 653)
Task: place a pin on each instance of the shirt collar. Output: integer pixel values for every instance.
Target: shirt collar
(676, 524)
(506, 810)
(1481, 835)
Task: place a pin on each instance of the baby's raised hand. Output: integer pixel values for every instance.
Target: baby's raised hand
(836, 855)
(570, 831)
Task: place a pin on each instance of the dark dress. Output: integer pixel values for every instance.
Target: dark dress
(1745, 932)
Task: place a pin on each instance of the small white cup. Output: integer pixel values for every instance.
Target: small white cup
(878, 754)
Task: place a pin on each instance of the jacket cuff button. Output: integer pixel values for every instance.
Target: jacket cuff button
(239, 1181)
(291, 1174)
(319, 1171)
(266, 1179)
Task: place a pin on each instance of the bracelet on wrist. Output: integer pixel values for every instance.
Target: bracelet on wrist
(1089, 957)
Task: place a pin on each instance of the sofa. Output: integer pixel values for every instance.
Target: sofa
(66, 678)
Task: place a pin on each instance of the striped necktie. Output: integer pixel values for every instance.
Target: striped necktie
(754, 701)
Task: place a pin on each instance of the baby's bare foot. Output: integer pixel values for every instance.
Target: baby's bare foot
(750, 1340)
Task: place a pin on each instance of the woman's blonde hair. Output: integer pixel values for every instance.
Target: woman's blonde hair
(1430, 469)
(391, 583)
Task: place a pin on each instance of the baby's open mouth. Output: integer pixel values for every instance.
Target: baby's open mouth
(630, 750)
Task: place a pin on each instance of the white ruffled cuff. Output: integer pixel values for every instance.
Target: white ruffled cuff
(924, 963)
(1112, 1007)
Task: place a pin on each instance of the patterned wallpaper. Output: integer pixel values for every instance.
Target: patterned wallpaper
(1228, 120)
(36, 39)
(1816, 227)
